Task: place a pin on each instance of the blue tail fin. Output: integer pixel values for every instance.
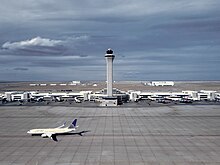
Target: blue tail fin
(73, 124)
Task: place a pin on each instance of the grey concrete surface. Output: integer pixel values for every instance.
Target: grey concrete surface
(168, 135)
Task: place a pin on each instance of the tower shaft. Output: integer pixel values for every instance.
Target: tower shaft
(109, 61)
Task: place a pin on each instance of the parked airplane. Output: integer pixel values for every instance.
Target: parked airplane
(52, 132)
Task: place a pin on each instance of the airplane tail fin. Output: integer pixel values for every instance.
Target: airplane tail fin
(73, 124)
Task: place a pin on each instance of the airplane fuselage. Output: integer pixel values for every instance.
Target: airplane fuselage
(51, 130)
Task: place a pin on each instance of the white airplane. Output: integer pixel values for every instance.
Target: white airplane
(52, 132)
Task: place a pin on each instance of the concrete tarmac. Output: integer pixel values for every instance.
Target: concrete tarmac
(168, 135)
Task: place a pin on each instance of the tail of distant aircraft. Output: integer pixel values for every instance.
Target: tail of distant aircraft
(73, 124)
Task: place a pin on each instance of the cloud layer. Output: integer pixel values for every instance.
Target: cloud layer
(152, 40)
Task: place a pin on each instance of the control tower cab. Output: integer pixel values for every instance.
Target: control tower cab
(109, 51)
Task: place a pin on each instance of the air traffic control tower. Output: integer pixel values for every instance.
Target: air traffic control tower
(109, 100)
(109, 56)
(111, 97)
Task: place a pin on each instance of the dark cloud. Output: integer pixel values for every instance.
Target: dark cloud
(190, 25)
(64, 62)
(21, 69)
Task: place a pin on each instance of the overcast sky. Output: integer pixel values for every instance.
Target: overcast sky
(152, 39)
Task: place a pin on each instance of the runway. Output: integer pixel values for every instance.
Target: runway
(167, 135)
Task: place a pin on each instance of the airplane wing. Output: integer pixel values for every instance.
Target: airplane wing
(62, 126)
(75, 133)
